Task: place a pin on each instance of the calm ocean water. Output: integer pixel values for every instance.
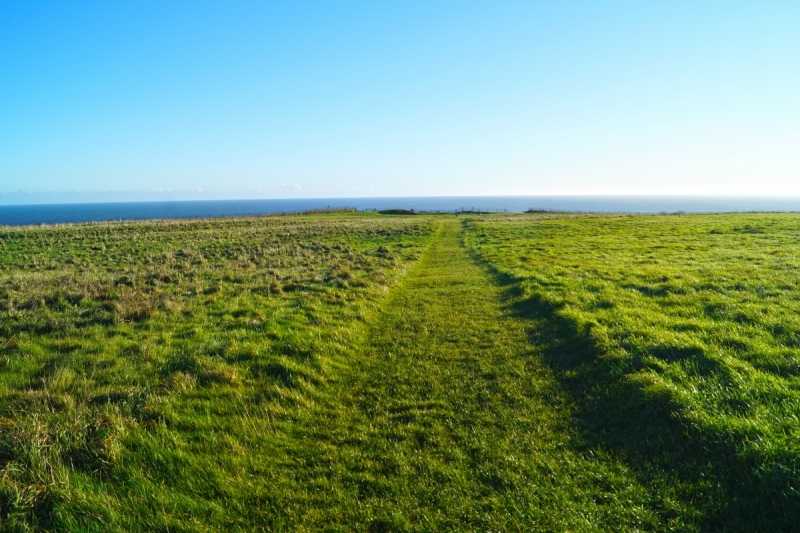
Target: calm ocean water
(16, 215)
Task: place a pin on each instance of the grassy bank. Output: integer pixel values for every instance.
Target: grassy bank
(144, 364)
(448, 420)
(351, 371)
(677, 338)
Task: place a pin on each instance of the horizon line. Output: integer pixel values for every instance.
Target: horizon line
(284, 198)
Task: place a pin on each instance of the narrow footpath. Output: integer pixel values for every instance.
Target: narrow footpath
(448, 420)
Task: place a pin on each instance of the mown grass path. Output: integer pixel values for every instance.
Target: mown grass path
(447, 419)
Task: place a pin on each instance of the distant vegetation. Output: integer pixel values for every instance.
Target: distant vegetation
(351, 371)
(397, 212)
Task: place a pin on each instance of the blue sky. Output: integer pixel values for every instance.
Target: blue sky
(171, 100)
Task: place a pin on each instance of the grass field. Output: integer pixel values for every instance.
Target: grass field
(401, 373)
(677, 338)
(144, 364)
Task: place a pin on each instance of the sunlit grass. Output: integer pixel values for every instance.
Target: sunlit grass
(395, 373)
(692, 320)
(448, 420)
(143, 364)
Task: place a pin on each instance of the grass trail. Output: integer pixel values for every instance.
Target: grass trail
(447, 419)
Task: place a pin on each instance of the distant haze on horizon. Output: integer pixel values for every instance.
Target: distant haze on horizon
(206, 100)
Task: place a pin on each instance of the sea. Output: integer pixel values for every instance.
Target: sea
(18, 215)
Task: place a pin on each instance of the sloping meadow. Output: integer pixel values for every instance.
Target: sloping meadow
(679, 339)
(144, 366)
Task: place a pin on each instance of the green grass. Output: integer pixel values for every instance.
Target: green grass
(144, 364)
(677, 339)
(350, 371)
(446, 419)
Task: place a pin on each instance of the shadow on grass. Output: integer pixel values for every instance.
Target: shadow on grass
(725, 490)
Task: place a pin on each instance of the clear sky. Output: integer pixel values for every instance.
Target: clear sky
(138, 100)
